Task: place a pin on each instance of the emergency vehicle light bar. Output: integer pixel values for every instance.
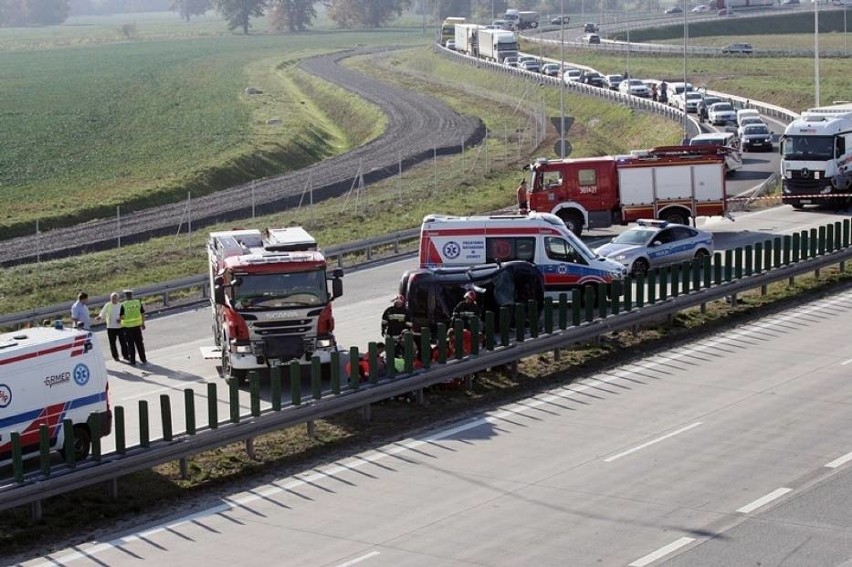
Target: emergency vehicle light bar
(653, 222)
(275, 258)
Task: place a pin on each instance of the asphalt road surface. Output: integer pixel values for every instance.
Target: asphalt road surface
(731, 450)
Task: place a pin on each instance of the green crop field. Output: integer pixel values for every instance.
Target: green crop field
(133, 123)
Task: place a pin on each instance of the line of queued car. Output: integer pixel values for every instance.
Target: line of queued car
(751, 132)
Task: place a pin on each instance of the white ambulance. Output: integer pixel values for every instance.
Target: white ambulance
(541, 238)
(47, 375)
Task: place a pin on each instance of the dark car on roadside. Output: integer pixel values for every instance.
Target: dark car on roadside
(674, 10)
(560, 20)
(532, 65)
(592, 78)
(431, 294)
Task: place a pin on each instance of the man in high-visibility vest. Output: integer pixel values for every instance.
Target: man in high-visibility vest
(132, 317)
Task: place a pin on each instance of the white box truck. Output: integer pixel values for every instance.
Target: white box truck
(496, 45)
(47, 375)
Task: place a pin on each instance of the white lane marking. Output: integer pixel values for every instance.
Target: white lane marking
(626, 372)
(662, 552)
(845, 362)
(839, 461)
(651, 442)
(774, 495)
(359, 559)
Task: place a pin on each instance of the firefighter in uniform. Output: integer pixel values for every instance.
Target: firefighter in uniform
(132, 317)
(395, 318)
(466, 309)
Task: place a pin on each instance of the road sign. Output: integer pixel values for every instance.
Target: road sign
(557, 123)
(557, 149)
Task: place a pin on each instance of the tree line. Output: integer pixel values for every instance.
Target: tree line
(296, 15)
(289, 15)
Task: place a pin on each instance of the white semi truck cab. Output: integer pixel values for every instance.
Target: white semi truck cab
(816, 157)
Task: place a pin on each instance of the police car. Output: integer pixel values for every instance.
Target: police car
(654, 244)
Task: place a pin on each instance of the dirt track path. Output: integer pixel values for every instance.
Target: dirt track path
(417, 127)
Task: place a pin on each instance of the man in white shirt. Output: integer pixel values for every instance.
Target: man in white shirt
(80, 316)
(109, 313)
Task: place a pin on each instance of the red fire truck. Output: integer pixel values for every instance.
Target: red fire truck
(672, 183)
(270, 298)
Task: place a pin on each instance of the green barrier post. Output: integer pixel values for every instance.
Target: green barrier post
(234, 400)
(254, 392)
(275, 389)
(426, 345)
(548, 315)
(490, 339)
(316, 377)
(354, 359)
(296, 381)
(189, 410)
(576, 304)
(96, 435)
(144, 426)
(212, 406)
(120, 435)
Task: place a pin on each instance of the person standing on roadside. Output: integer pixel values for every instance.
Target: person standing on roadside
(80, 316)
(132, 318)
(523, 202)
(110, 313)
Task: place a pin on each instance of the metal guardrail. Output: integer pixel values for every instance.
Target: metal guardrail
(367, 252)
(665, 110)
(824, 247)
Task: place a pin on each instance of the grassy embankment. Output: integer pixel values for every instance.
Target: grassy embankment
(394, 204)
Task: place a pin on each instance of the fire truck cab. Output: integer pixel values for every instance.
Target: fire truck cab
(270, 299)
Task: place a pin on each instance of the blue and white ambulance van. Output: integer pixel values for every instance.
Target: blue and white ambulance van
(47, 375)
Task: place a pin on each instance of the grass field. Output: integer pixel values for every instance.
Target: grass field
(138, 122)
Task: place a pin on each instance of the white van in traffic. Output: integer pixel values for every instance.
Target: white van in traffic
(743, 112)
(47, 375)
(733, 158)
(540, 238)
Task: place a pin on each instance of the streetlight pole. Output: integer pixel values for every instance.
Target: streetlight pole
(685, 44)
(562, 80)
(627, 12)
(816, 52)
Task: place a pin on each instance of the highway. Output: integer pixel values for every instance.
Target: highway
(174, 341)
(731, 450)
